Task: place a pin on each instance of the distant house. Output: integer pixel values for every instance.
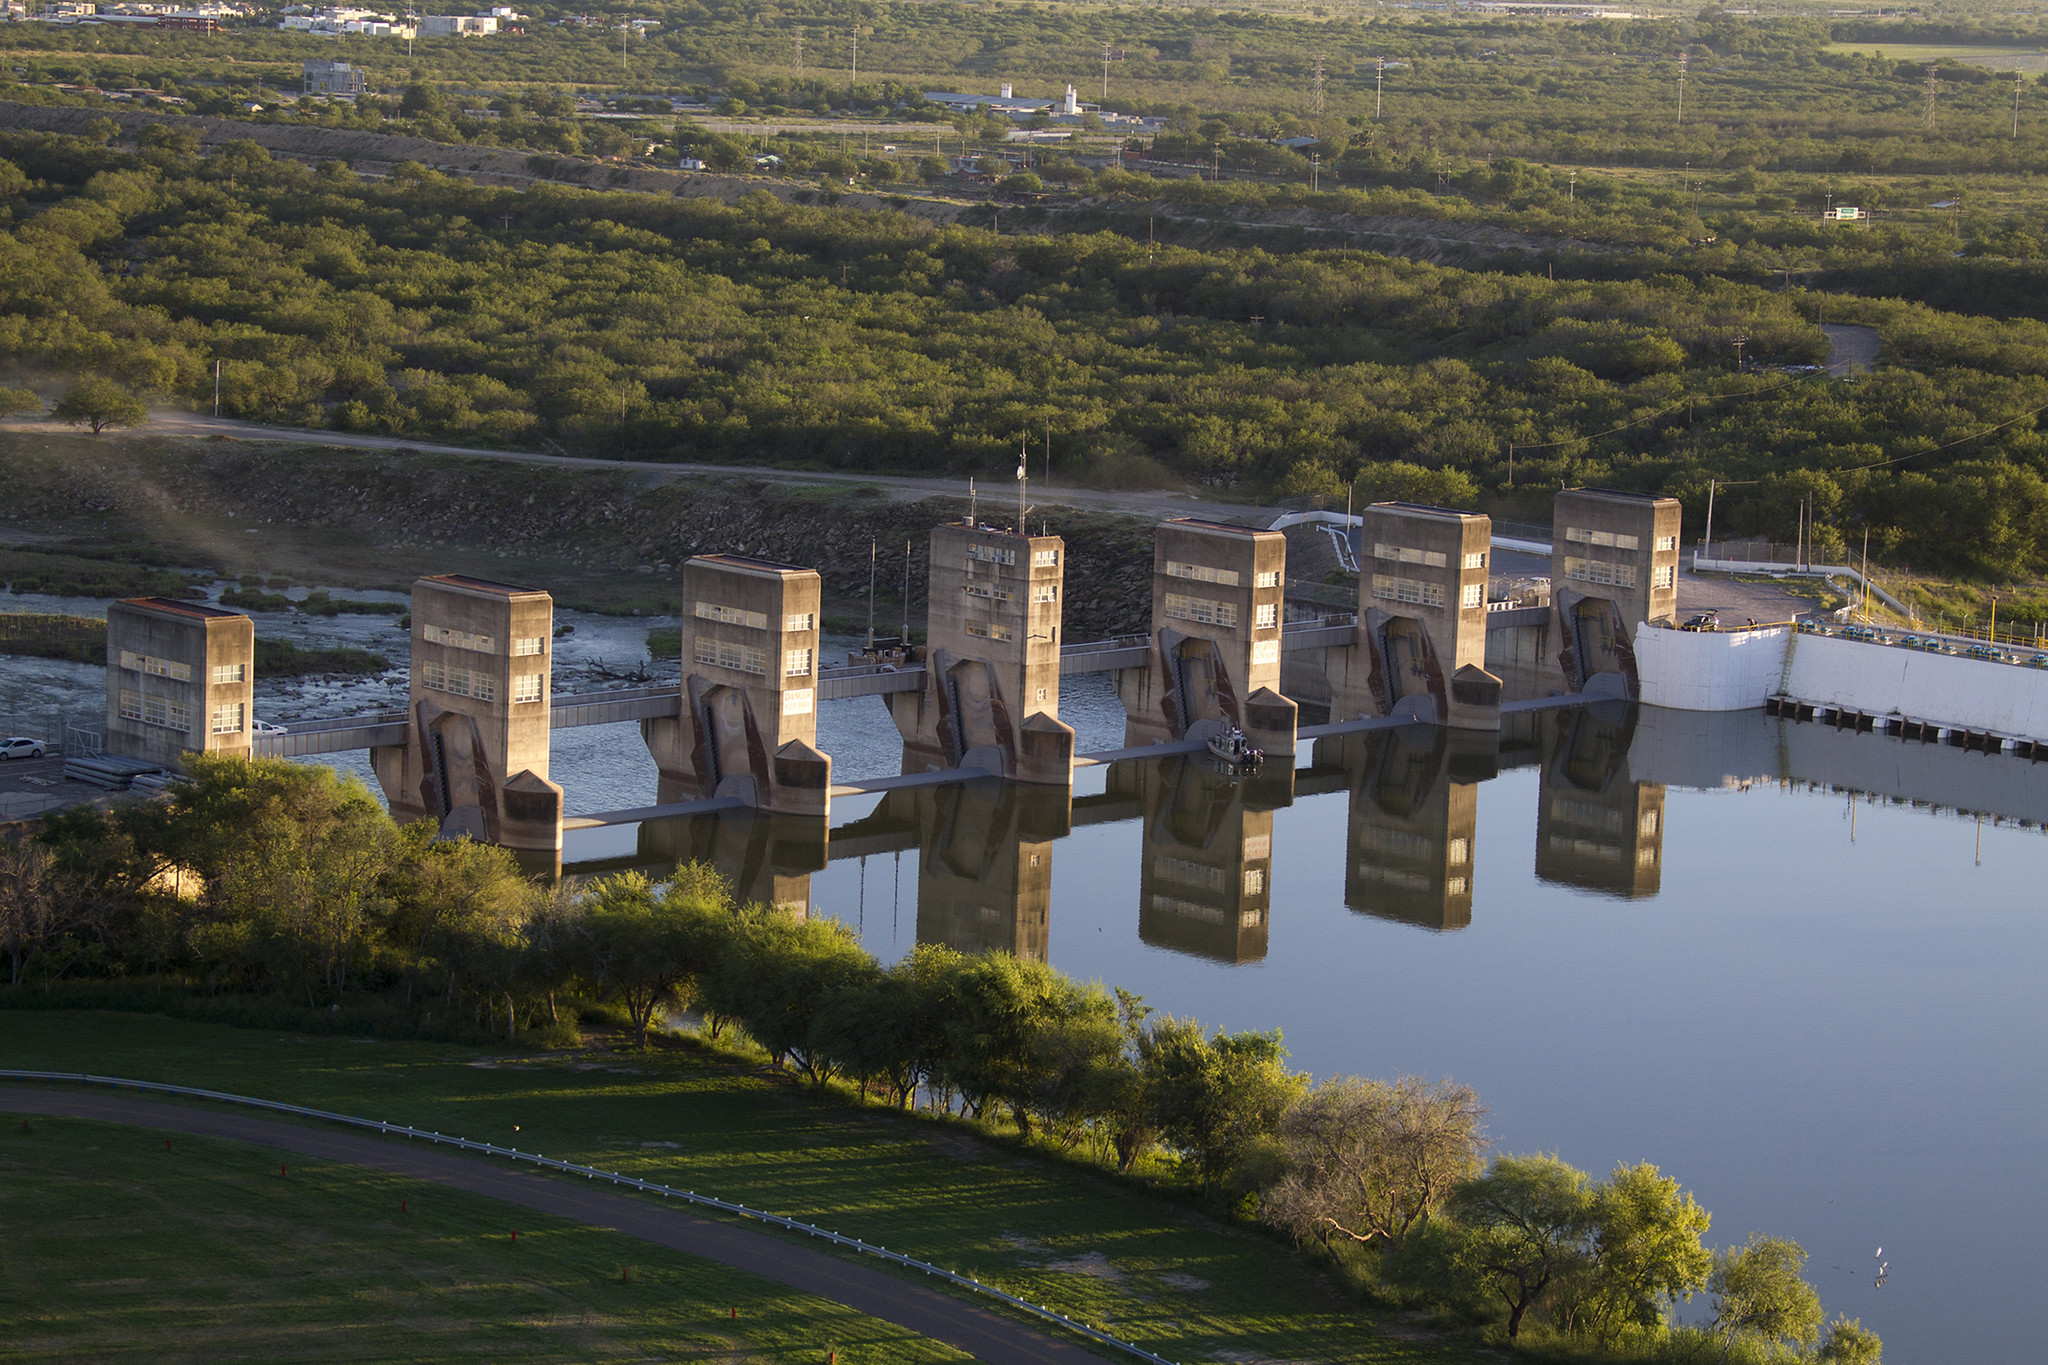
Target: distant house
(332, 78)
(457, 25)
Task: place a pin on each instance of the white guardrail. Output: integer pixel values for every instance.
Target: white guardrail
(855, 1244)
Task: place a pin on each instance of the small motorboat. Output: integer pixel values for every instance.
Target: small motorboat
(1234, 749)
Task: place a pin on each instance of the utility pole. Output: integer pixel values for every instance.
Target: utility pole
(1316, 90)
(1710, 518)
(1739, 343)
(1571, 187)
(1933, 79)
(1683, 59)
(1048, 452)
(625, 30)
(1105, 72)
(216, 388)
(1315, 171)
(800, 75)
(1215, 162)
(2015, 105)
(855, 78)
(1379, 78)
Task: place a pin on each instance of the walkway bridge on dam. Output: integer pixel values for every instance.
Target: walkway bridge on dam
(843, 682)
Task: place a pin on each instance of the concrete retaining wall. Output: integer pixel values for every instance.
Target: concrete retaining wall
(1738, 670)
(1710, 671)
(1971, 694)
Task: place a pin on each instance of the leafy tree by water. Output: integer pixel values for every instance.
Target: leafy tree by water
(1758, 1288)
(1528, 1222)
(1645, 1255)
(1214, 1099)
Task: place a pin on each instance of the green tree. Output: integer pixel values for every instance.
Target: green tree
(99, 403)
(1848, 1342)
(1528, 1221)
(1646, 1253)
(14, 402)
(1758, 1288)
(644, 944)
(1215, 1099)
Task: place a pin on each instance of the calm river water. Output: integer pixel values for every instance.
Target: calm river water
(1652, 936)
(1733, 947)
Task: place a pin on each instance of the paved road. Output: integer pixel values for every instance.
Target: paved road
(980, 1332)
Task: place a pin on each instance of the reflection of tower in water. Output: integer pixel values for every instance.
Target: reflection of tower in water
(1414, 813)
(1205, 875)
(1596, 827)
(984, 868)
(766, 858)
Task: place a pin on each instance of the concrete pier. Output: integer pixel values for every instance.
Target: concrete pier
(991, 692)
(179, 679)
(475, 755)
(1217, 602)
(1614, 567)
(1421, 649)
(746, 718)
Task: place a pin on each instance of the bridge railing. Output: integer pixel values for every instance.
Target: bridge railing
(856, 1245)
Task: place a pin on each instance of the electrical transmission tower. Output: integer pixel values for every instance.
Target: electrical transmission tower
(1933, 73)
(1316, 90)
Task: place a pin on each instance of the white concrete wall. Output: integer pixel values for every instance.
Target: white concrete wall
(1737, 670)
(1688, 670)
(1974, 694)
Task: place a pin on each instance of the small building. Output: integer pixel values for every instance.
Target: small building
(1422, 615)
(457, 25)
(746, 724)
(476, 756)
(180, 679)
(1218, 596)
(1614, 567)
(332, 78)
(992, 657)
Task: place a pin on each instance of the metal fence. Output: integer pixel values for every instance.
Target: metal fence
(854, 1244)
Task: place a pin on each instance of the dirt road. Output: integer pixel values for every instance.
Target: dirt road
(995, 493)
(982, 1333)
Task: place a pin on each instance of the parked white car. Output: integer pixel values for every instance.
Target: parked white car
(21, 747)
(264, 727)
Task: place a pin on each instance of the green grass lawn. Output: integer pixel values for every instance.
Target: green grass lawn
(116, 1248)
(1150, 1268)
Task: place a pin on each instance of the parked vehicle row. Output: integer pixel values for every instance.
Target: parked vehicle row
(1932, 644)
